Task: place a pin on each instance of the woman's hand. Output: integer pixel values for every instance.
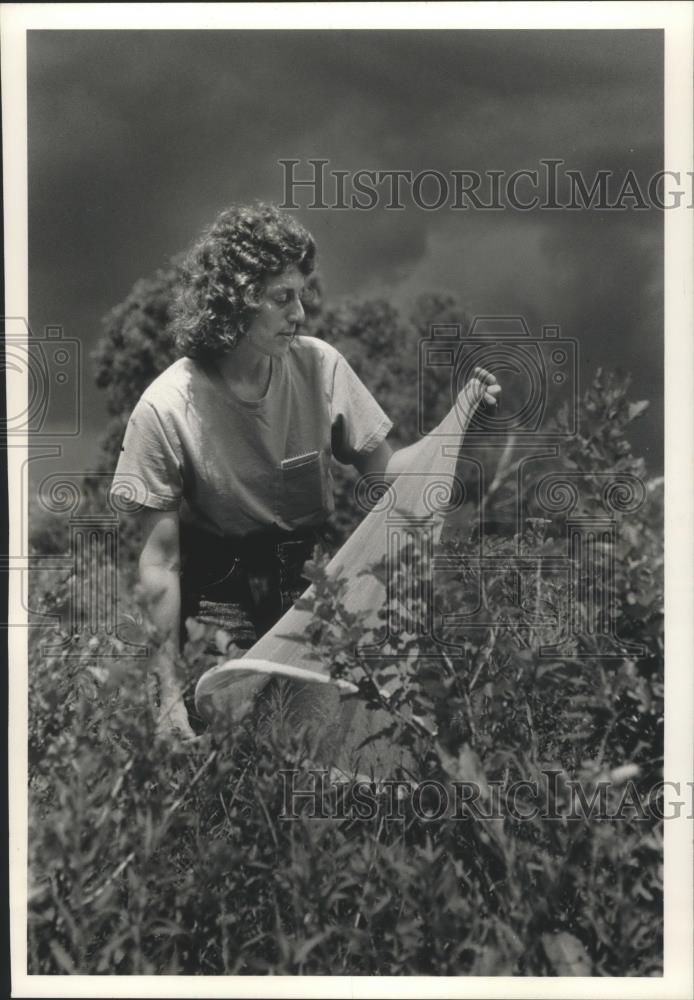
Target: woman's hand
(173, 724)
(490, 386)
(161, 591)
(384, 460)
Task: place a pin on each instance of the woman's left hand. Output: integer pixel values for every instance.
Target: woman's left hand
(492, 389)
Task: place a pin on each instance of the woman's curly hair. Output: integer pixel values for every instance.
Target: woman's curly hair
(224, 273)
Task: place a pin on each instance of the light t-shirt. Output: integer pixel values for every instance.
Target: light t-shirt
(233, 466)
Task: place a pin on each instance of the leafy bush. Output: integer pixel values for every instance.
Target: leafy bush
(148, 858)
(152, 858)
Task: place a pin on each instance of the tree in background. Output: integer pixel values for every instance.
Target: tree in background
(137, 344)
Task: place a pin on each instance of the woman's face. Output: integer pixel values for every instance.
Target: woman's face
(279, 315)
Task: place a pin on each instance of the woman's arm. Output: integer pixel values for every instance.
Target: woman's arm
(159, 567)
(384, 460)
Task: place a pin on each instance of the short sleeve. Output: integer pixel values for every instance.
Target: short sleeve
(358, 422)
(149, 469)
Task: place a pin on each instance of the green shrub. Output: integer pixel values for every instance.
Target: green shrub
(150, 858)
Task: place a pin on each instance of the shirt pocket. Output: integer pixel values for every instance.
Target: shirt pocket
(303, 487)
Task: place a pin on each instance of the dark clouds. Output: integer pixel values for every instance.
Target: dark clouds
(137, 138)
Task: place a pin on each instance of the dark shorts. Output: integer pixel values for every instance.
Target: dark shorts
(244, 586)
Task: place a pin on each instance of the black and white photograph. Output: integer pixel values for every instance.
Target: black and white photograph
(348, 361)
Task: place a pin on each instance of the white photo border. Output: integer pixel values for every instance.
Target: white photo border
(676, 20)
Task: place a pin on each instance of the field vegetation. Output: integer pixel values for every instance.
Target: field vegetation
(153, 858)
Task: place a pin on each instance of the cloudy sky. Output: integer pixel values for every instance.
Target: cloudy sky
(137, 139)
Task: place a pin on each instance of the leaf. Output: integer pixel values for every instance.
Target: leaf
(303, 951)
(470, 769)
(567, 954)
(636, 409)
(384, 733)
(62, 958)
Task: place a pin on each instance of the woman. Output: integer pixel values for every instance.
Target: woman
(230, 447)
